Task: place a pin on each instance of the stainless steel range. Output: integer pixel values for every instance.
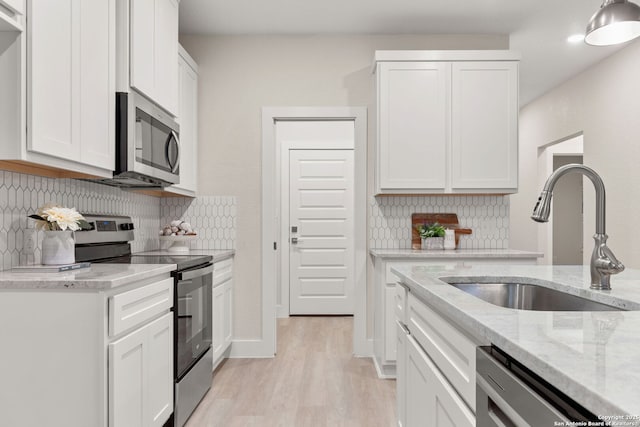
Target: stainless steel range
(108, 241)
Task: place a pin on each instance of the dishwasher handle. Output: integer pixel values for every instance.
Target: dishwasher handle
(504, 400)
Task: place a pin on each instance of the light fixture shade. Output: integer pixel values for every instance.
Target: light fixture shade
(617, 21)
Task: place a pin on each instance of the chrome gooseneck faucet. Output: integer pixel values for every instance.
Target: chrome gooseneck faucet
(603, 262)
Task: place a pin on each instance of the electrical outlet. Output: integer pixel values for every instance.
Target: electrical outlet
(29, 245)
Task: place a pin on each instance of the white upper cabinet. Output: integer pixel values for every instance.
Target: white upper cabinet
(188, 120)
(412, 127)
(71, 81)
(447, 122)
(154, 51)
(484, 116)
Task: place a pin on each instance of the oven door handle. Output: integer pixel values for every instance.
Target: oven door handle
(196, 272)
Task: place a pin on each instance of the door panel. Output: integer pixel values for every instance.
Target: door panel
(413, 102)
(321, 207)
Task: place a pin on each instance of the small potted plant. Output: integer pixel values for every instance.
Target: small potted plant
(432, 236)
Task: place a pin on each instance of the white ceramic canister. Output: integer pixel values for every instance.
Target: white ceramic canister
(58, 247)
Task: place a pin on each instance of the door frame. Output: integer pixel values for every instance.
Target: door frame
(271, 215)
(572, 145)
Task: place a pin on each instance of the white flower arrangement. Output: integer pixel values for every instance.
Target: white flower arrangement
(56, 218)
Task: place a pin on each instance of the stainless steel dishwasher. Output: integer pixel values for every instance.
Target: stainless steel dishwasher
(508, 394)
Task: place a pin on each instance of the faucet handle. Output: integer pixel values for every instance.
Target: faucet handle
(607, 261)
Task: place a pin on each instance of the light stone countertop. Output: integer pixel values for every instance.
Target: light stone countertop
(99, 276)
(217, 254)
(457, 253)
(593, 357)
(96, 277)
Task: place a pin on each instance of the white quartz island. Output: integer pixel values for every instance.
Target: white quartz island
(593, 357)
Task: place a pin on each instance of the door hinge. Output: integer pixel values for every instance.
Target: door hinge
(275, 246)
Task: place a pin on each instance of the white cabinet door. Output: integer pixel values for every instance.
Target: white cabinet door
(430, 399)
(71, 84)
(188, 119)
(160, 371)
(154, 51)
(53, 59)
(142, 46)
(97, 83)
(166, 48)
(141, 376)
(127, 382)
(390, 323)
(484, 133)
(227, 330)
(413, 100)
(401, 377)
(217, 321)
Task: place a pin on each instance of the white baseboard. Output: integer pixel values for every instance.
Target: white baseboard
(387, 372)
(247, 349)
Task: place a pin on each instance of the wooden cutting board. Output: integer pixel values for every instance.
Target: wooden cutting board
(447, 220)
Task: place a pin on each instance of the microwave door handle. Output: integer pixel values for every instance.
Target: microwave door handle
(173, 137)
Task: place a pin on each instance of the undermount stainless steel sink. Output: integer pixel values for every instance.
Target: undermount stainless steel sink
(523, 296)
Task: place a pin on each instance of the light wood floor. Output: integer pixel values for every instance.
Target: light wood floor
(313, 381)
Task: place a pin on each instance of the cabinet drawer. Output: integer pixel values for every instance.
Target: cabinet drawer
(222, 271)
(400, 303)
(451, 350)
(136, 306)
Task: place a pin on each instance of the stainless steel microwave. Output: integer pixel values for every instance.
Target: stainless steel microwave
(147, 144)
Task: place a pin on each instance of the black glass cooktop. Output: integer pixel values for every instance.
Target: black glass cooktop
(183, 262)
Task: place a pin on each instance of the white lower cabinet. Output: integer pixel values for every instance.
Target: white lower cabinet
(140, 391)
(386, 301)
(99, 369)
(430, 399)
(222, 310)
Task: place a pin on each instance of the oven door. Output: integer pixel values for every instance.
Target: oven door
(192, 316)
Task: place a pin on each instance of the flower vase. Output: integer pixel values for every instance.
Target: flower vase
(58, 247)
(433, 243)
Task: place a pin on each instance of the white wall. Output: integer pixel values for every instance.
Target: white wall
(238, 75)
(604, 103)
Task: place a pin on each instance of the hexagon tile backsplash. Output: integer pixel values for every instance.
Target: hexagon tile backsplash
(21, 195)
(487, 216)
(213, 218)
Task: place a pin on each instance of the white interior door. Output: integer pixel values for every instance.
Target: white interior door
(321, 250)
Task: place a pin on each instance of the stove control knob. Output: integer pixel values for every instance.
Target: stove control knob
(126, 226)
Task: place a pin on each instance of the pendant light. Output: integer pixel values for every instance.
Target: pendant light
(616, 22)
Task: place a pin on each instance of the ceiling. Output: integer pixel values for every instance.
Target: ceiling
(538, 29)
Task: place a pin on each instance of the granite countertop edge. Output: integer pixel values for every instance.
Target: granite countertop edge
(100, 276)
(217, 254)
(457, 253)
(492, 324)
(95, 278)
